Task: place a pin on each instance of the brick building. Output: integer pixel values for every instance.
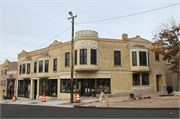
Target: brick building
(114, 66)
(8, 77)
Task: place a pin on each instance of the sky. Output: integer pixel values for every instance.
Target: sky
(34, 24)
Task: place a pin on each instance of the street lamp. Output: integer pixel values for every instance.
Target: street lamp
(72, 50)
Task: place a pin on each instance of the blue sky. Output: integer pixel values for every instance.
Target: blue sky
(28, 24)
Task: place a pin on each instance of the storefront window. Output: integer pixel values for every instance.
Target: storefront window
(48, 87)
(24, 88)
(103, 85)
(66, 86)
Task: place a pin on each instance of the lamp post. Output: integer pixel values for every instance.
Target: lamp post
(72, 50)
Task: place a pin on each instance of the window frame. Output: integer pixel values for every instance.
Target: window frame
(46, 67)
(83, 57)
(142, 58)
(24, 68)
(136, 79)
(55, 64)
(28, 69)
(35, 67)
(20, 69)
(117, 58)
(94, 56)
(134, 58)
(40, 66)
(144, 79)
(75, 59)
(157, 57)
(67, 59)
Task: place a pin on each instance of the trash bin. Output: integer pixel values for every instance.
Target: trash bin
(131, 96)
(169, 89)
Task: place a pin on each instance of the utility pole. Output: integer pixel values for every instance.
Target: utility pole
(72, 50)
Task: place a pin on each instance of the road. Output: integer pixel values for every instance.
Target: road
(31, 111)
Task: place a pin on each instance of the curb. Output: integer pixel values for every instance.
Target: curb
(86, 103)
(126, 107)
(67, 106)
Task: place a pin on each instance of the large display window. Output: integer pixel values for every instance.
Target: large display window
(24, 88)
(48, 87)
(66, 86)
(103, 85)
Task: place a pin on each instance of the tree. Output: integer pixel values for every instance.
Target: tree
(166, 42)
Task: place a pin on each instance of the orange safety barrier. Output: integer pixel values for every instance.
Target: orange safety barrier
(77, 97)
(13, 98)
(43, 98)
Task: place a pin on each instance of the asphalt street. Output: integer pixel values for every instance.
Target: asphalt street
(31, 111)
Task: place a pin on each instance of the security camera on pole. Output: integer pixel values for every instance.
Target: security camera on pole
(72, 50)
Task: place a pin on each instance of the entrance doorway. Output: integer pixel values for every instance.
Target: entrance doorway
(10, 87)
(35, 88)
(86, 86)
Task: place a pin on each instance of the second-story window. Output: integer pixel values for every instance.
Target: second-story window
(156, 56)
(117, 57)
(28, 68)
(40, 66)
(5, 72)
(83, 56)
(35, 67)
(2, 72)
(24, 68)
(134, 59)
(55, 65)
(143, 59)
(93, 56)
(75, 60)
(67, 59)
(20, 69)
(46, 65)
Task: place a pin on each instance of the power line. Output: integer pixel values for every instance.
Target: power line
(55, 37)
(129, 14)
(50, 39)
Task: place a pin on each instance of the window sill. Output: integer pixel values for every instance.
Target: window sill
(82, 64)
(93, 64)
(146, 85)
(157, 60)
(67, 66)
(117, 65)
(54, 71)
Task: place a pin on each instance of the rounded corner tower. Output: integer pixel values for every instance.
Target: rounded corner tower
(86, 50)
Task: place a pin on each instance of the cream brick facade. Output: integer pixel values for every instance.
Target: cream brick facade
(120, 76)
(5, 78)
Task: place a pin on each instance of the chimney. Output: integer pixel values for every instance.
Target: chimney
(124, 36)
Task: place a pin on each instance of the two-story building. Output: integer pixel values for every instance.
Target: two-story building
(114, 66)
(8, 77)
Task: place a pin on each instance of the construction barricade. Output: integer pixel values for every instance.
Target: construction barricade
(13, 98)
(43, 98)
(77, 97)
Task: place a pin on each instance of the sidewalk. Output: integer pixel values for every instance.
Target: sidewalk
(57, 103)
(84, 101)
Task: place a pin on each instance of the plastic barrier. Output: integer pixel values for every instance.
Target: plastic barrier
(43, 98)
(77, 97)
(13, 98)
